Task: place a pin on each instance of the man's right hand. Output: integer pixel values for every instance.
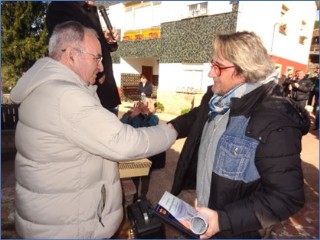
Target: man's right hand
(109, 38)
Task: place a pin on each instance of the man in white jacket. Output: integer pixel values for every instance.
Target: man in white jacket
(69, 146)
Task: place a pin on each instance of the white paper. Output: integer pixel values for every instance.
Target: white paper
(184, 211)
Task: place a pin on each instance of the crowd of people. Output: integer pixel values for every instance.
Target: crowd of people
(242, 148)
(304, 90)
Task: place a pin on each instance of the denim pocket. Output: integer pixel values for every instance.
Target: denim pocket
(235, 158)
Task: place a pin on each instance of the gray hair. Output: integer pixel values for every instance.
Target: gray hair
(70, 33)
(246, 51)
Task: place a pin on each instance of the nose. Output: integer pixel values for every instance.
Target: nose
(100, 67)
(211, 73)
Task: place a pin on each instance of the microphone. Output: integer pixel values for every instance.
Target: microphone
(106, 19)
(113, 46)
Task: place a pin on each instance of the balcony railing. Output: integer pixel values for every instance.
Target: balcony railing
(149, 33)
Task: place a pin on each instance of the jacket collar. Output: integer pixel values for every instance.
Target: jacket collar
(245, 104)
(269, 111)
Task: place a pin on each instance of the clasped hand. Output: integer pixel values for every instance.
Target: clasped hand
(140, 108)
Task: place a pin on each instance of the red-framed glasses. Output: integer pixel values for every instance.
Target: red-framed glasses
(217, 69)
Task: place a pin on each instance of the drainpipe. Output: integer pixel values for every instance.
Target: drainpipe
(274, 29)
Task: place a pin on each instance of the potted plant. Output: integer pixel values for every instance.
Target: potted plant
(283, 28)
(301, 39)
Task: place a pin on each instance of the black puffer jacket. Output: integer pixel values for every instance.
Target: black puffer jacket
(302, 92)
(244, 208)
(190, 125)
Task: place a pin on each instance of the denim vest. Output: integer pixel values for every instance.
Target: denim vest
(235, 156)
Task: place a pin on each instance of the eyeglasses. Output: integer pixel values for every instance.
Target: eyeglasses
(218, 69)
(98, 57)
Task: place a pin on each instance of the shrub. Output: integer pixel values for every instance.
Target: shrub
(184, 111)
(159, 106)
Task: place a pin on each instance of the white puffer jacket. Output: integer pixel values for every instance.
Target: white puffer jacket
(69, 146)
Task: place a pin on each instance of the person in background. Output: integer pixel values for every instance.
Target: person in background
(86, 13)
(145, 87)
(282, 79)
(142, 115)
(69, 145)
(314, 92)
(242, 152)
(301, 89)
(286, 85)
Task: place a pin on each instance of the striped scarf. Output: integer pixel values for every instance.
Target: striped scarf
(221, 104)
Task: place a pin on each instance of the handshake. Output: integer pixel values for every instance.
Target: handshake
(140, 108)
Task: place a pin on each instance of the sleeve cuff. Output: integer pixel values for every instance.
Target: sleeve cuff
(224, 223)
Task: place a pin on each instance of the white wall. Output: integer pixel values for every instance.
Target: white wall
(166, 11)
(116, 16)
(263, 17)
(217, 7)
(176, 10)
(175, 76)
(117, 69)
(133, 65)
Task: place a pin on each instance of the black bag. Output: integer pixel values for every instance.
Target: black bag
(158, 160)
(143, 221)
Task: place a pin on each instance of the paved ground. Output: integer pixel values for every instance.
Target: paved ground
(303, 225)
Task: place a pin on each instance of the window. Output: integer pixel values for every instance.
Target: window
(141, 15)
(284, 8)
(192, 79)
(289, 70)
(302, 35)
(283, 19)
(278, 69)
(283, 28)
(315, 40)
(198, 9)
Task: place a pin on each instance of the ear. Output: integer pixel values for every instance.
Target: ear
(69, 55)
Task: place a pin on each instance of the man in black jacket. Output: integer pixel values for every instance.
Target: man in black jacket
(86, 13)
(242, 152)
(301, 89)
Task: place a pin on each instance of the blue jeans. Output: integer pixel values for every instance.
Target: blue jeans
(235, 158)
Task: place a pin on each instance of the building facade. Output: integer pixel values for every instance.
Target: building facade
(171, 41)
